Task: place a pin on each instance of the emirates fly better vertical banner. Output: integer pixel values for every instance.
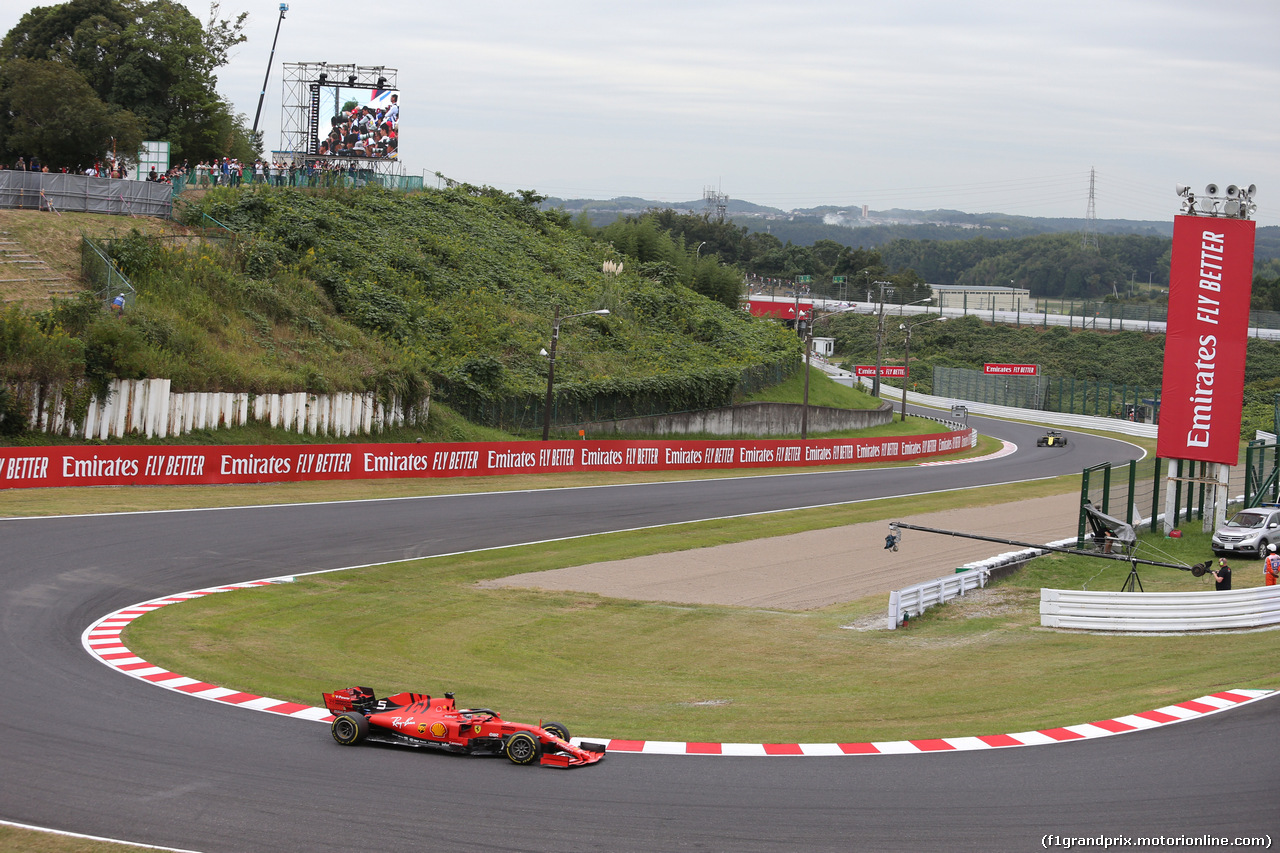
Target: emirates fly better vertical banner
(1210, 280)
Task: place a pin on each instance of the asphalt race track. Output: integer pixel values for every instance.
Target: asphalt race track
(88, 750)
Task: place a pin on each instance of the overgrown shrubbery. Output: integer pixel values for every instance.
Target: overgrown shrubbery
(464, 282)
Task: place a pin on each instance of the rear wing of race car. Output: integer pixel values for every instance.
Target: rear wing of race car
(350, 699)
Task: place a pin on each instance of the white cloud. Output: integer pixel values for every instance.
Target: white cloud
(988, 105)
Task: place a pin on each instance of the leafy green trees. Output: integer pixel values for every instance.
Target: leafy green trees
(72, 129)
(134, 69)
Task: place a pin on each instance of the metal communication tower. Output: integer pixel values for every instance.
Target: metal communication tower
(1089, 238)
(716, 202)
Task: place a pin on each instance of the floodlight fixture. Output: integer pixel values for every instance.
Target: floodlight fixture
(1233, 201)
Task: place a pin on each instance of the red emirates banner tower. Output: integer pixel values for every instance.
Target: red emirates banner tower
(1210, 281)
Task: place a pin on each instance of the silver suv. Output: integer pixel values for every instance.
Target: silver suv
(1249, 531)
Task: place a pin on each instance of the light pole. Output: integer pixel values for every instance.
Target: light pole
(906, 356)
(808, 348)
(875, 382)
(551, 363)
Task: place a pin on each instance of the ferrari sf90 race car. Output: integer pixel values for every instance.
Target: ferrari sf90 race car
(1052, 438)
(415, 719)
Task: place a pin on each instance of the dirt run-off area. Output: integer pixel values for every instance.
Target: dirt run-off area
(817, 568)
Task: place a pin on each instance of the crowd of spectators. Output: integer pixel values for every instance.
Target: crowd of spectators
(224, 172)
(364, 131)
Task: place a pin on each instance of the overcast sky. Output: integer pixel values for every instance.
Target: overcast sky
(976, 106)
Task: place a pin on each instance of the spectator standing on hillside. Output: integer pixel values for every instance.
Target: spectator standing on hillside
(117, 305)
(20, 165)
(1271, 567)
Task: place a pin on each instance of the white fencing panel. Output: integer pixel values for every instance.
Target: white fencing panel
(149, 407)
(916, 599)
(1160, 611)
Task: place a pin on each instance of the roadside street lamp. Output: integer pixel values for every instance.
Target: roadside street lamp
(875, 381)
(551, 363)
(905, 305)
(906, 356)
(808, 348)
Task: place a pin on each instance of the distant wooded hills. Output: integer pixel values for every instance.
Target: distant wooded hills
(846, 225)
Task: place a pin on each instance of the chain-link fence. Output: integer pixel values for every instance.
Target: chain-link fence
(1048, 393)
(304, 177)
(1262, 472)
(103, 276)
(1136, 491)
(1109, 316)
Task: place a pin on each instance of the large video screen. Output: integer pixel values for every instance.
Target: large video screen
(356, 122)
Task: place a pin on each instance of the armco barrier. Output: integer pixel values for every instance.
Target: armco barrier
(1160, 611)
(914, 600)
(150, 465)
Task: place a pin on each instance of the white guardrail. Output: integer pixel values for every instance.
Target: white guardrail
(914, 600)
(1256, 607)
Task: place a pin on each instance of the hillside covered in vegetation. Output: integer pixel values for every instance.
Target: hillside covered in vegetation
(450, 292)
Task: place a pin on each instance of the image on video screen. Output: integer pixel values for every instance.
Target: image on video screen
(358, 123)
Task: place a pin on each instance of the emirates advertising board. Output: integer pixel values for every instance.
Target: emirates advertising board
(1011, 369)
(1210, 281)
(133, 465)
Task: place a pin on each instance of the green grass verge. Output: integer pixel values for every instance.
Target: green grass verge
(16, 840)
(660, 671)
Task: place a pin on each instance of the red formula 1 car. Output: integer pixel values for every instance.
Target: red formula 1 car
(415, 719)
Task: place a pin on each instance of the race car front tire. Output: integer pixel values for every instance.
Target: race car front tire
(522, 748)
(350, 728)
(559, 730)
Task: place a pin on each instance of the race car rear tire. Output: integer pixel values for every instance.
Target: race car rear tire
(560, 730)
(522, 748)
(350, 728)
